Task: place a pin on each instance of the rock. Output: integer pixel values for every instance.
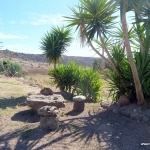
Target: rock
(48, 117)
(79, 98)
(46, 91)
(48, 111)
(37, 101)
(123, 100)
(105, 104)
(48, 122)
(79, 103)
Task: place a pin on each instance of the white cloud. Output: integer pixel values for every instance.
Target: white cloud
(40, 19)
(45, 19)
(11, 36)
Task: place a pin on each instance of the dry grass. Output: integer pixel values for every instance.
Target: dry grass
(12, 87)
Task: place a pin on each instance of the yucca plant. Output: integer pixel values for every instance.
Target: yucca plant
(118, 86)
(89, 84)
(65, 76)
(143, 67)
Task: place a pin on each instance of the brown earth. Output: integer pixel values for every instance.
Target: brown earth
(94, 129)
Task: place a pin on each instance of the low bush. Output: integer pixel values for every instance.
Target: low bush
(77, 80)
(89, 84)
(10, 69)
(65, 76)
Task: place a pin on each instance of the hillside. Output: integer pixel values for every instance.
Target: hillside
(39, 58)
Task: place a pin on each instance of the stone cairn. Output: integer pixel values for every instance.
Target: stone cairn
(48, 117)
(79, 103)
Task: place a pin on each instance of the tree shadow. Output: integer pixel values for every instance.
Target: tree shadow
(73, 113)
(12, 102)
(107, 130)
(28, 116)
(26, 135)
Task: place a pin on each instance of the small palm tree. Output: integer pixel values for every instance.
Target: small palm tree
(54, 43)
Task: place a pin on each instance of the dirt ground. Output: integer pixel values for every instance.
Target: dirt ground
(93, 129)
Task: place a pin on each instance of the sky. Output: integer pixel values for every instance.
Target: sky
(24, 22)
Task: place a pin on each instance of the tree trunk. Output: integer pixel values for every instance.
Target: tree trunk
(139, 92)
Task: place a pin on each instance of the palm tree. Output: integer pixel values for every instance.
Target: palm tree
(94, 18)
(124, 5)
(54, 43)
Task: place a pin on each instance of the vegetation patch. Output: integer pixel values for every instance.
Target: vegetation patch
(11, 69)
(77, 80)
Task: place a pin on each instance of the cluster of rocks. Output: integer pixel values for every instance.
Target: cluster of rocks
(47, 104)
(133, 111)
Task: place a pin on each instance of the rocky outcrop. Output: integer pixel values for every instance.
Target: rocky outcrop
(37, 101)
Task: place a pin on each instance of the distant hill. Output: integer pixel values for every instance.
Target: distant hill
(39, 58)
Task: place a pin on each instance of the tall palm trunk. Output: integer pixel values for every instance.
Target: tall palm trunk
(139, 92)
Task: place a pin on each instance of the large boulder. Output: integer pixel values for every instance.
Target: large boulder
(38, 101)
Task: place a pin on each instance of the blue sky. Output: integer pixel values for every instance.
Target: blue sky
(24, 22)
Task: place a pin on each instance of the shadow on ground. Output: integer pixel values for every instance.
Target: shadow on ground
(102, 130)
(73, 113)
(28, 116)
(66, 95)
(12, 102)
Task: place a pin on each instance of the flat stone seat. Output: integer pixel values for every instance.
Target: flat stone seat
(37, 101)
(79, 103)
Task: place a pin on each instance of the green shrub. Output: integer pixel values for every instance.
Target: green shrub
(89, 84)
(143, 66)
(11, 68)
(122, 84)
(77, 80)
(65, 76)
